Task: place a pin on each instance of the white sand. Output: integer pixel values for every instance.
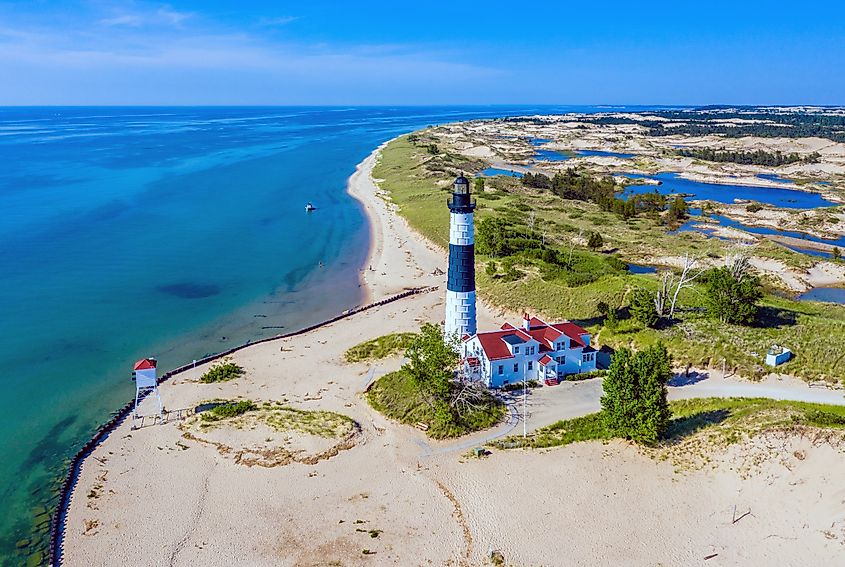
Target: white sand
(151, 497)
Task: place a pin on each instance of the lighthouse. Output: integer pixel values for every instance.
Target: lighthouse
(460, 287)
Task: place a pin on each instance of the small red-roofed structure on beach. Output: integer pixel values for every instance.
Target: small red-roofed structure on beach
(535, 351)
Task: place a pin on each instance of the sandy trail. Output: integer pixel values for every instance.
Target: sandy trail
(153, 497)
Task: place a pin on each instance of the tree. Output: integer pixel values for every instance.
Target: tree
(595, 241)
(732, 294)
(678, 209)
(478, 185)
(643, 307)
(634, 404)
(836, 253)
(492, 269)
(431, 365)
(491, 238)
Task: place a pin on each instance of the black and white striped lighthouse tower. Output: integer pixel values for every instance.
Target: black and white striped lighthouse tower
(460, 287)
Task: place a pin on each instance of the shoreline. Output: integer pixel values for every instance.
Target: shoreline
(203, 507)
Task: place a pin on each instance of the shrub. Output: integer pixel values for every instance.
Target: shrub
(512, 274)
(228, 410)
(222, 372)
(585, 375)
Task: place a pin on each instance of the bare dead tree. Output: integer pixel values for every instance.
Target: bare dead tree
(689, 273)
(531, 220)
(671, 285)
(667, 280)
(739, 265)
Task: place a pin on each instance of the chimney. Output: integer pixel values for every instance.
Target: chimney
(526, 321)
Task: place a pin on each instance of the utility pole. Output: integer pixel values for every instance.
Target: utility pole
(524, 402)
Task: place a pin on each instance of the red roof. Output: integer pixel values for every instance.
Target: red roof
(145, 364)
(495, 347)
(546, 359)
(546, 335)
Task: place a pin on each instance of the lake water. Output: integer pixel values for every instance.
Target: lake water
(774, 177)
(493, 171)
(174, 232)
(602, 153)
(827, 294)
(672, 184)
(641, 269)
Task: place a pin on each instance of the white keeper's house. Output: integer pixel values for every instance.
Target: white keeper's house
(535, 351)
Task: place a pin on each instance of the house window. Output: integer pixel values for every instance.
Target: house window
(516, 350)
(501, 369)
(530, 365)
(516, 367)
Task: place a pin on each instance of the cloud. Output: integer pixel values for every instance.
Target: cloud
(278, 21)
(160, 55)
(159, 16)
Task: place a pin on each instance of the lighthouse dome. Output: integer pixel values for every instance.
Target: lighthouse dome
(461, 185)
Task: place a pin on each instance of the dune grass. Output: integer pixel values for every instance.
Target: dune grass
(418, 183)
(728, 419)
(380, 347)
(246, 414)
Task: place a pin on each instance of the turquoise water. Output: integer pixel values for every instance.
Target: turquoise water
(174, 232)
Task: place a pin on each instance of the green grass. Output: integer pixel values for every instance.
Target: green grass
(380, 347)
(814, 332)
(727, 420)
(419, 184)
(396, 396)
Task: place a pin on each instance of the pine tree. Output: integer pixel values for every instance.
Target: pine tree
(634, 404)
(643, 308)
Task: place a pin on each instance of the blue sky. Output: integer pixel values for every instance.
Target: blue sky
(457, 52)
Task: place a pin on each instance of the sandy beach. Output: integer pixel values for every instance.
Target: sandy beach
(386, 495)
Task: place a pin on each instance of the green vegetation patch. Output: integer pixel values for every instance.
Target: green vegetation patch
(726, 420)
(222, 372)
(243, 414)
(398, 397)
(380, 347)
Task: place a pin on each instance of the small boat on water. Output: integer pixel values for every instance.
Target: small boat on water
(309, 207)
